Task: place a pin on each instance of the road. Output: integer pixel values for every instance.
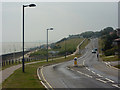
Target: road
(91, 73)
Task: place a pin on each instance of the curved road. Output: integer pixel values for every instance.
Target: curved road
(91, 73)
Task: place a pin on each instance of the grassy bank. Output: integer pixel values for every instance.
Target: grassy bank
(102, 56)
(109, 58)
(29, 79)
(85, 43)
(117, 66)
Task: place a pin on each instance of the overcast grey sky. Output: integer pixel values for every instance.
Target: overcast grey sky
(66, 18)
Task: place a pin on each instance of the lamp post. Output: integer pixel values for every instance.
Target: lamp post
(47, 41)
(30, 5)
(65, 48)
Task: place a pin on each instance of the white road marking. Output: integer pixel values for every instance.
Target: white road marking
(115, 85)
(84, 62)
(38, 74)
(44, 85)
(101, 80)
(99, 75)
(80, 72)
(93, 72)
(87, 68)
(88, 75)
(109, 80)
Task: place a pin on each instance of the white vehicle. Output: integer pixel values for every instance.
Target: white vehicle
(93, 51)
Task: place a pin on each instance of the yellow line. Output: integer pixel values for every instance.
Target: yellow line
(46, 80)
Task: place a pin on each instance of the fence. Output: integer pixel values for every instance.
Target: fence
(17, 61)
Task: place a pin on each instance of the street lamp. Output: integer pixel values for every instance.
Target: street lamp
(65, 48)
(47, 41)
(30, 5)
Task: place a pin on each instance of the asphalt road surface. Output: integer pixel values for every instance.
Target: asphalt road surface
(90, 73)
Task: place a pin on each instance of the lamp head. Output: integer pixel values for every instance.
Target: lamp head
(51, 28)
(32, 5)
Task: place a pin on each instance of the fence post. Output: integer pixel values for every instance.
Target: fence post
(16, 61)
(12, 61)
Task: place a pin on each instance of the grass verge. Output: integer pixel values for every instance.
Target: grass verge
(117, 66)
(109, 58)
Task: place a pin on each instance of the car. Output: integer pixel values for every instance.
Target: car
(93, 51)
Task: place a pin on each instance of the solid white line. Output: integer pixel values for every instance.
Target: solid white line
(38, 74)
(109, 80)
(101, 80)
(115, 85)
(44, 84)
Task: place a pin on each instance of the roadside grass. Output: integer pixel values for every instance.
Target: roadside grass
(70, 43)
(85, 43)
(109, 58)
(103, 57)
(29, 79)
(117, 66)
(100, 42)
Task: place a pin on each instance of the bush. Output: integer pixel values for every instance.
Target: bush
(109, 52)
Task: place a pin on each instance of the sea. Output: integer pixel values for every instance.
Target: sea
(12, 47)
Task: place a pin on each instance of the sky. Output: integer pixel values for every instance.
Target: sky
(67, 18)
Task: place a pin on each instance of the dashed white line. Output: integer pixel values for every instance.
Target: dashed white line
(84, 62)
(80, 72)
(87, 68)
(93, 72)
(99, 75)
(115, 85)
(88, 75)
(101, 80)
(109, 80)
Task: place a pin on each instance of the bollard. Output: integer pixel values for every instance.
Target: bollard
(12, 61)
(75, 61)
(19, 60)
(9, 62)
(2, 64)
(16, 61)
(6, 62)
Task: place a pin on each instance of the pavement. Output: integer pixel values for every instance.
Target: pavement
(90, 73)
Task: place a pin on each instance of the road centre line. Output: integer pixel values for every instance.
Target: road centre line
(109, 80)
(115, 85)
(99, 75)
(101, 80)
(93, 72)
